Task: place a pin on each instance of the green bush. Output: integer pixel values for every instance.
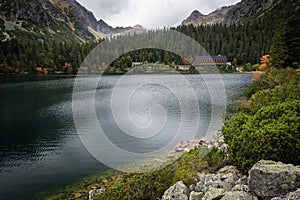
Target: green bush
(215, 159)
(269, 127)
(286, 92)
(273, 132)
(275, 78)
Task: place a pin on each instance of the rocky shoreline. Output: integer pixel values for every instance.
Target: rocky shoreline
(215, 140)
(267, 180)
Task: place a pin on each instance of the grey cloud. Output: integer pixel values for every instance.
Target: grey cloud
(150, 13)
(104, 8)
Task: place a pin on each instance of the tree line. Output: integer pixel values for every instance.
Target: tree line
(275, 32)
(22, 57)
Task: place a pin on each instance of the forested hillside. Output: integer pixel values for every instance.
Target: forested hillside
(248, 40)
(245, 41)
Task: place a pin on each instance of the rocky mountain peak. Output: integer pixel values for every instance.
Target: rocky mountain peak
(196, 13)
(230, 14)
(138, 26)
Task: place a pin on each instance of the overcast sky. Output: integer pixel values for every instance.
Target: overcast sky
(150, 13)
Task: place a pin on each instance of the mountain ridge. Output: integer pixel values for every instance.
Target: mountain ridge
(229, 14)
(49, 19)
(87, 19)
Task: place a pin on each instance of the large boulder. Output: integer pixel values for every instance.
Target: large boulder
(179, 191)
(268, 179)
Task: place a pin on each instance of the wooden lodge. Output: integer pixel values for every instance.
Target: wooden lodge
(210, 60)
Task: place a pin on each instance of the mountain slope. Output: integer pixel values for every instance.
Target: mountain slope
(39, 19)
(82, 17)
(52, 19)
(230, 14)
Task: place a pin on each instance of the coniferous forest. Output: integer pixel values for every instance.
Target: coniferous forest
(245, 42)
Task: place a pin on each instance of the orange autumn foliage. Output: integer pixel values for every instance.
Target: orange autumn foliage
(263, 67)
(39, 70)
(185, 61)
(264, 63)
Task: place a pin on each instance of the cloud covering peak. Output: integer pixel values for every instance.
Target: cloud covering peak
(149, 13)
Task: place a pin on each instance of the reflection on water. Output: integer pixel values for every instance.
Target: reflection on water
(40, 149)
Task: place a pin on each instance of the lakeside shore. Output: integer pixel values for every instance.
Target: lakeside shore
(15, 78)
(97, 183)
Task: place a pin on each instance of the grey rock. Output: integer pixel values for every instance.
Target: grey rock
(228, 176)
(243, 188)
(225, 178)
(293, 195)
(228, 180)
(269, 179)
(214, 194)
(179, 191)
(239, 195)
(223, 147)
(213, 184)
(242, 181)
(192, 187)
(92, 193)
(229, 169)
(206, 180)
(221, 140)
(196, 195)
(290, 196)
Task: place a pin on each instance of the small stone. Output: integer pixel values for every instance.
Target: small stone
(77, 195)
(93, 192)
(178, 149)
(243, 188)
(196, 195)
(192, 187)
(242, 181)
(229, 169)
(221, 140)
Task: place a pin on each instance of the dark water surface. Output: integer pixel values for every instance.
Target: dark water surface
(40, 150)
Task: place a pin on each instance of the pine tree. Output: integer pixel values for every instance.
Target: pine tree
(279, 49)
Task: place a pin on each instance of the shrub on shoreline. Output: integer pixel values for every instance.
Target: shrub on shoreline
(270, 129)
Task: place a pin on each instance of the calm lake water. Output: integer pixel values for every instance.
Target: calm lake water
(40, 150)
